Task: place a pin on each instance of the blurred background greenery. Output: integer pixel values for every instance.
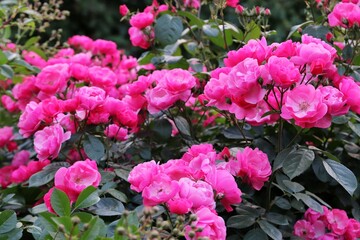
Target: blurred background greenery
(101, 19)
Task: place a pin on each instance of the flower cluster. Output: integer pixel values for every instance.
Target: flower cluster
(195, 181)
(345, 14)
(331, 224)
(296, 81)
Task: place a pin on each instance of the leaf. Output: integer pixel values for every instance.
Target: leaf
(7, 221)
(6, 71)
(94, 148)
(162, 128)
(347, 52)
(118, 195)
(293, 186)
(277, 218)
(311, 203)
(211, 30)
(296, 27)
(168, 29)
(342, 175)
(255, 234)
(14, 234)
(88, 197)
(31, 42)
(298, 162)
(340, 119)
(279, 160)
(94, 229)
(253, 31)
(319, 170)
(270, 230)
(182, 125)
(282, 203)
(317, 31)
(3, 58)
(122, 173)
(355, 127)
(240, 221)
(46, 175)
(60, 202)
(193, 19)
(108, 207)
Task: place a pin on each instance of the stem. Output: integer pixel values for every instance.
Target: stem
(223, 23)
(268, 191)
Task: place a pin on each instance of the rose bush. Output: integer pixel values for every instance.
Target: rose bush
(214, 132)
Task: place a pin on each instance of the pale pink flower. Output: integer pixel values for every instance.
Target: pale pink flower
(178, 81)
(47, 142)
(211, 224)
(90, 97)
(75, 179)
(305, 105)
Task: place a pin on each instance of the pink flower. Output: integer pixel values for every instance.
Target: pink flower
(161, 189)
(123, 9)
(102, 77)
(34, 59)
(351, 91)
(25, 92)
(5, 175)
(225, 187)
(178, 81)
(305, 105)
(212, 225)
(159, 99)
(254, 167)
(81, 41)
(192, 3)
(9, 103)
(352, 229)
(337, 221)
(50, 107)
(232, 3)
(47, 142)
(21, 158)
(282, 71)
(304, 229)
(53, 79)
(30, 119)
(79, 71)
(335, 100)
(6, 135)
(344, 15)
(143, 175)
(90, 97)
(114, 131)
(75, 179)
(101, 46)
(141, 20)
(24, 172)
(141, 38)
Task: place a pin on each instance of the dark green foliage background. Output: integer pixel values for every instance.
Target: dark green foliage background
(101, 18)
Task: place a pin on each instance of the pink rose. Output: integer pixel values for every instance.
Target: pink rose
(282, 71)
(351, 91)
(101, 46)
(139, 38)
(344, 15)
(304, 229)
(159, 99)
(75, 179)
(114, 131)
(335, 100)
(305, 105)
(192, 3)
(90, 97)
(9, 104)
(47, 142)
(79, 71)
(5, 175)
(143, 175)
(232, 3)
(53, 79)
(81, 41)
(21, 158)
(254, 167)
(177, 81)
(212, 225)
(123, 9)
(337, 221)
(141, 20)
(47, 200)
(24, 172)
(30, 119)
(6, 135)
(102, 77)
(50, 107)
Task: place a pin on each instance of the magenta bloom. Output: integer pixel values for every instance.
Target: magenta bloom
(160, 190)
(211, 224)
(351, 91)
(53, 79)
(30, 119)
(143, 175)
(304, 104)
(254, 167)
(75, 179)
(282, 71)
(47, 142)
(6, 134)
(141, 20)
(344, 15)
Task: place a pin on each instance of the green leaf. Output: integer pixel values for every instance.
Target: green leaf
(347, 52)
(168, 29)
(14, 234)
(270, 230)
(182, 125)
(317, 31)
(46, 219)
(296, 27)
(122, 173)
(310, 202)
(3, 58)
(277, 218)
(194, 20)
(280, 158)
(94, 148)
(256, 234)
(31, 42)
(108, 207)
(253, 31)
(46, 175)
(240, 221)
(282, 203)
(162, 129)
(118, 195)
(293, 186)
(6, 71)
(94, 229)
(340, 119)
(298, 162)
(344, 176)
(319, 170)
(88, 197)
(60, 202)
(355, 127)
(7, 221)
(211, 30)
